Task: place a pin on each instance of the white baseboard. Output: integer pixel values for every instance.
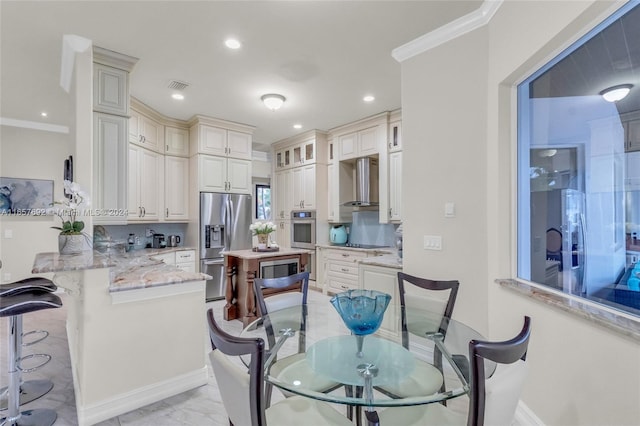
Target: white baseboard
(140, 397)
(525, 417)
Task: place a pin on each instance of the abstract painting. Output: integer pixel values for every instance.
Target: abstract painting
(25, 196)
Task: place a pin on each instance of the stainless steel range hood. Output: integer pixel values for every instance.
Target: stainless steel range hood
(366, 183)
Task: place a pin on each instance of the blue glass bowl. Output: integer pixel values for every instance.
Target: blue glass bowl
(361, 310)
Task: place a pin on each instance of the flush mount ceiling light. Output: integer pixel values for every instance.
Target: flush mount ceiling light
(616, 93)
(232, 43)
(273, 101)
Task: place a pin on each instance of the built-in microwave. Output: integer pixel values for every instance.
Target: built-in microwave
(279, 268)
(303, 229)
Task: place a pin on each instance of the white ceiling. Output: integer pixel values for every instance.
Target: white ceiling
(323, 56)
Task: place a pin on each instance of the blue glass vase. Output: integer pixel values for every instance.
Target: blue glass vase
(362, 311)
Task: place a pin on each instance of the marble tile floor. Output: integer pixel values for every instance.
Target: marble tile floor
(201, 406)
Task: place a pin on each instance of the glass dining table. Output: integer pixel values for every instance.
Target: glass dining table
(434, 354)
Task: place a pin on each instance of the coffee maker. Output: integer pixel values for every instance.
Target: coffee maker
(158, 241)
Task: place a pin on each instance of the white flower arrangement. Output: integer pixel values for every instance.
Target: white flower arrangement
(68, 214)
(258, 228)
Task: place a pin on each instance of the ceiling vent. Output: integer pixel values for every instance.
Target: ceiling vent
(178, 85)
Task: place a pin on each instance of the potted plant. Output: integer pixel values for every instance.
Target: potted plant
(71, 239)
(262, 230)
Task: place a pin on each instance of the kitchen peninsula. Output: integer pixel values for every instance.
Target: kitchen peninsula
(245, 265)
(135, 329)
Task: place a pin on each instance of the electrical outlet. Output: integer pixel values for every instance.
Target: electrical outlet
(432, 242)
(8, 233)
(6, 277)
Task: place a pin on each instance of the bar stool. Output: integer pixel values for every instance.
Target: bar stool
(30, 390)
(14, 307)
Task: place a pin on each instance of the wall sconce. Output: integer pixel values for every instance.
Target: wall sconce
(616, 93)
(273, 101)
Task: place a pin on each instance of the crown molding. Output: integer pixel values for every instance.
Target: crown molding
(34, 125)
(71, 44)
(448, 32)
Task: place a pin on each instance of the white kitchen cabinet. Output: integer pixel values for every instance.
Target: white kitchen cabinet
(176, 141)
(176, 188)
(219, 174)
(332, 194)
(341, 269)
(183, 259)
(146, 180)
(395, 186)
(186, 260)
(146, 132)
(385, 280)
(632, 135)
(395, 136)
(282, 234)
(110, 90)
(303, 187)
(282, 188)
(339, 187)
(110, 159)
(222, 142)
(360, 144)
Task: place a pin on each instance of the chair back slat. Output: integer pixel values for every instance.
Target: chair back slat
(494, 401)
(242, 394)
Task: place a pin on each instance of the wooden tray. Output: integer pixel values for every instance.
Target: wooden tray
(266, 249)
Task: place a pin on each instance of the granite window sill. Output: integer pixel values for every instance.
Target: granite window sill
(623, 323)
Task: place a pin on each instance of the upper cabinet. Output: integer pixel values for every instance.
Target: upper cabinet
(221, 153)
(224, 139)
(146, 132)
(300, 171)
(395, 132)
(360, 144)
(110, 90)
(297, 154)
(110, 135)
(631, 126)
(176, 141)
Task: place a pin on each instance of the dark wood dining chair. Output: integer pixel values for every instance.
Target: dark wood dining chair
(422, 380)
(271, 298)
(492, 401)
(243, 394)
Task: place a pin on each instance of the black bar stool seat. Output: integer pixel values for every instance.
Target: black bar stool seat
(14, 307)
(27, 284)
(30, 390)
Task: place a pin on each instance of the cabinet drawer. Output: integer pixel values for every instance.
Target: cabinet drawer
(168, 258)
(339, 285)
(345, 255)
(183, 256)
(344, 268)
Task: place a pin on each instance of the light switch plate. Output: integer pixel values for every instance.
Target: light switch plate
(432, 242)
(449, 209)
(8, 233)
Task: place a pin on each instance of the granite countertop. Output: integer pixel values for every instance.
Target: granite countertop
(250, 254)
(386, 260)
(386, 250)
(127, 271)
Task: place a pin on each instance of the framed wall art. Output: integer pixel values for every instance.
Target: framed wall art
(25, 196)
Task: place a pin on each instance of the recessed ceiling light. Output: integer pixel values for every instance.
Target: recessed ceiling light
(297, 126)
(368, 98)
(44, 113)
(232, 43)
(177, 96)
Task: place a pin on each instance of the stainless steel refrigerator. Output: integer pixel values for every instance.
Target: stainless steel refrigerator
(224, 226)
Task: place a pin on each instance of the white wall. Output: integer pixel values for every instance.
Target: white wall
(35, 154)
(462, 146)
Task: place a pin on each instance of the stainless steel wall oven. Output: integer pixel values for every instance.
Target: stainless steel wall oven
(303, 229)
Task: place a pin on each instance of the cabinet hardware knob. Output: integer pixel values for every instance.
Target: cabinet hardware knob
(167, 212)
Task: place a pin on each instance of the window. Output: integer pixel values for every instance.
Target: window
(263, 202)
(579, 168)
